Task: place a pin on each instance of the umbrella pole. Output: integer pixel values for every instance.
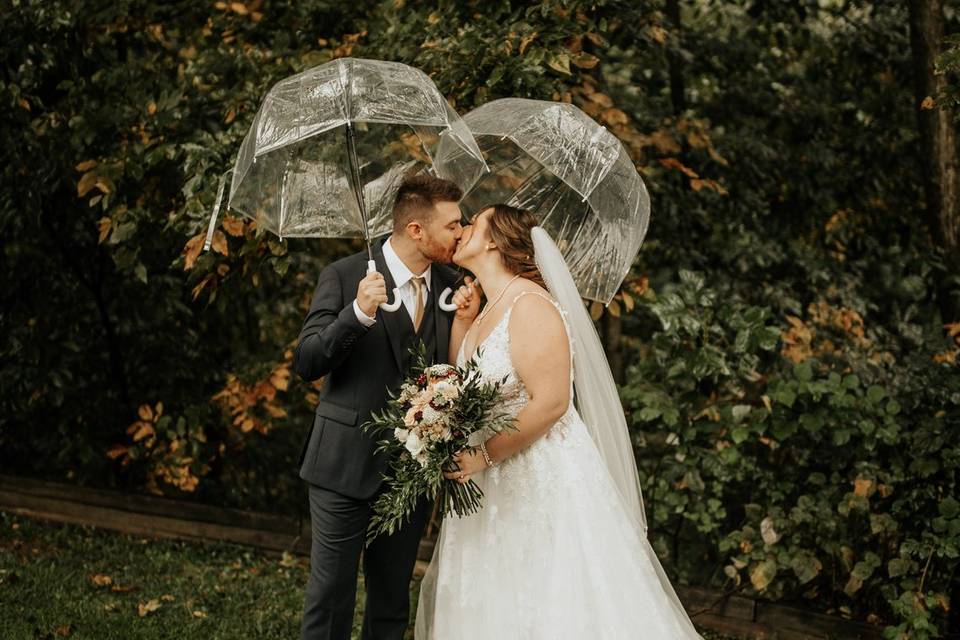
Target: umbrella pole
(358, 193)
(356, 184)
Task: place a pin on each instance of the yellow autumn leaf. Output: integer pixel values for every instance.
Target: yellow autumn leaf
(596, 310)
(145, 412)
(763, 574)
(145, 608)
(658, 33)
(101, 580)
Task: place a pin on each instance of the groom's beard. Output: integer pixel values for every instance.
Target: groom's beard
(436, 252)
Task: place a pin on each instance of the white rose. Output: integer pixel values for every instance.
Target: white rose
(401, 434)
(413, 443)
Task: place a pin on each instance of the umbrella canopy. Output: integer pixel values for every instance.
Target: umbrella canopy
(574, 175)
(347, 128)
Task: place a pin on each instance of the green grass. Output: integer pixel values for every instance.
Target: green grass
(204, 590)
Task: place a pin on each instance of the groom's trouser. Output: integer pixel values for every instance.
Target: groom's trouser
(339, 525)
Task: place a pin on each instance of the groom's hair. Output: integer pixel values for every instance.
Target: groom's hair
(418, 194)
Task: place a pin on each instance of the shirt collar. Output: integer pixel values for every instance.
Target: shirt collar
(401, 274)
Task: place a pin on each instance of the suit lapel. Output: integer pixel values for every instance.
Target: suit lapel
(441, 318)
(395, 323)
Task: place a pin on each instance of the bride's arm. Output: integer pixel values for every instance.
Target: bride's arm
(467, 299)
(541, 357)
(457, 330)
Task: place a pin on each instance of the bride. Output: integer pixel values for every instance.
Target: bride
(559, 547)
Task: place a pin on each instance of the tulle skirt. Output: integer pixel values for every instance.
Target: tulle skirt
(552, 554)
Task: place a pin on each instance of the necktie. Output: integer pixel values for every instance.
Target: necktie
(418, 287)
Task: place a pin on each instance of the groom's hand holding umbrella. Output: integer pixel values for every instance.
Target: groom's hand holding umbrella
(371, 293)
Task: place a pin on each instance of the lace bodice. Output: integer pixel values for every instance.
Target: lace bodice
(495, 363)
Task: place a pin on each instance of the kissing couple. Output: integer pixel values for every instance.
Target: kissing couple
(559, 547)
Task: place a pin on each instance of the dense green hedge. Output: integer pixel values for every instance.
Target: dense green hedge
(789, 373)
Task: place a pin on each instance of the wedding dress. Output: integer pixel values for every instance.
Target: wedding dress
(552, 553)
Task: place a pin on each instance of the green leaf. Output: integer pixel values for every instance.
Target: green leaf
(803, 372)
(560, 62)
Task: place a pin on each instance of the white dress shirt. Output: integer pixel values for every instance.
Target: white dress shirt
(401, 278)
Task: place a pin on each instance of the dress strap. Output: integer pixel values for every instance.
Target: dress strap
(536, 293)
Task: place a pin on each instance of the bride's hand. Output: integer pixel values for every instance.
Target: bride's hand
(467, 299)
(470, 460)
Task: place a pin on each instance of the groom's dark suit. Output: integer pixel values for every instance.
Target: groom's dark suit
(338, 461)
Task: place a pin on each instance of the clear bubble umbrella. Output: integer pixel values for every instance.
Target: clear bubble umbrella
(329, 147)
(574, 175)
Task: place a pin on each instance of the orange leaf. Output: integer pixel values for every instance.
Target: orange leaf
(525, 42)
(658, 33)
(927, 103)
(191, 251)
(203, 283)
(87, 182)
(674, 163)
(239, 8)
(233, 226)
(219, 243)
(145, 412)
(585, 60)
(601, 99)
(86, 165)
(614, 116)
(116, 451)
(104, 225)
(145, 430)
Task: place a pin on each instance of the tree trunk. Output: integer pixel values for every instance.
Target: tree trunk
(612, 333)
(938, 132)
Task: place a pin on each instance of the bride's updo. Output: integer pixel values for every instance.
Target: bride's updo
(510, 230)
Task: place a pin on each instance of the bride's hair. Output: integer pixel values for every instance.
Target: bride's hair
(510, 229)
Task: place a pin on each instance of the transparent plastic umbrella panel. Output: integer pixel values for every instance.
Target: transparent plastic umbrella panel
(574, 175)
(329, 147)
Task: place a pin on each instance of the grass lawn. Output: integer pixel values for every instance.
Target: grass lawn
(81, 582)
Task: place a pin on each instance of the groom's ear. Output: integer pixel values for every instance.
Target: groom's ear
(414, 230)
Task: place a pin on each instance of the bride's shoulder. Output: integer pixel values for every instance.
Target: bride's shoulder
(536, 327)
(533, 305)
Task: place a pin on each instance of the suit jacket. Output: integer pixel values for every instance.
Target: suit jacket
(360, 364)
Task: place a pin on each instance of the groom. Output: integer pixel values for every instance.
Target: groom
(362, 351)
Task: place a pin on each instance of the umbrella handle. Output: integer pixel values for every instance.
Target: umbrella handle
(447, 306)
(386, 306)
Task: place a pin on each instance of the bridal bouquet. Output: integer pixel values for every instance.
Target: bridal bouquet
(429, 419)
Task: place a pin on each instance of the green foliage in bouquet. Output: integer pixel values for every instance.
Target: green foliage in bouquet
(431, 417)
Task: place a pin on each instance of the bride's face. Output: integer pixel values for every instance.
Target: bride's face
(473, 242)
